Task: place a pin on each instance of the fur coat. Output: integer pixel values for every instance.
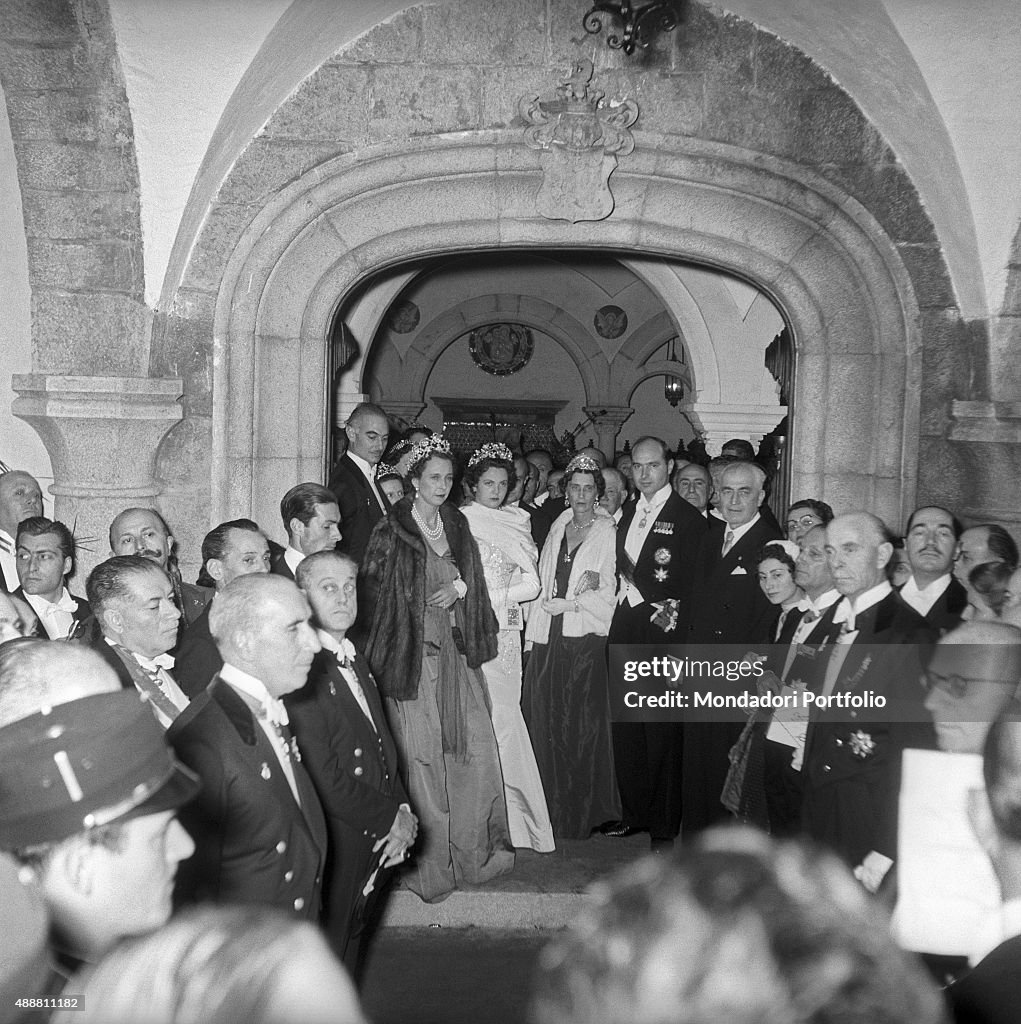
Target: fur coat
(393, 572)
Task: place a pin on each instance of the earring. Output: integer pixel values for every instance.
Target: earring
(567, 501)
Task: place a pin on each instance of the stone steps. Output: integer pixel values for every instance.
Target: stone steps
(544, 891)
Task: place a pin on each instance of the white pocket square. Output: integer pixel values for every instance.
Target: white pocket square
(740, 571)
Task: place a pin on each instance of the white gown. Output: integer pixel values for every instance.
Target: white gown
(509, 557)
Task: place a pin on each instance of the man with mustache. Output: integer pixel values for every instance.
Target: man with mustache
(143, 531)
(930, 541)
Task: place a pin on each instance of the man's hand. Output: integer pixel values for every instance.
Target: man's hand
(401, 836)
(872, 870)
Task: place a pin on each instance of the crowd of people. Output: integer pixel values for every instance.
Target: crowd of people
(417, 684)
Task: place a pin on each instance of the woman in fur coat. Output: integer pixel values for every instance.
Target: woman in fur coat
(431, 628)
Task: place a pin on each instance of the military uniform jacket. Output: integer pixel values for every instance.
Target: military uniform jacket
(852, 757)
(253, 843)
(355, 771)
(359, 509)
(665, 566)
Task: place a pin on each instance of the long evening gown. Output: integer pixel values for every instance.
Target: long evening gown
(499, 537)
(567, 708)
(458, 796)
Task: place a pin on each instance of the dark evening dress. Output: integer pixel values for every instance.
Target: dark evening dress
(567, 709)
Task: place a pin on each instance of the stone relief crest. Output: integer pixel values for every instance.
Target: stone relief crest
(501, 349)
(579, 136)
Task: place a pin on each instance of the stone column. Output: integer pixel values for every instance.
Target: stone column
(719, 423)
(607, 421)
(102, 434)
(406, 412)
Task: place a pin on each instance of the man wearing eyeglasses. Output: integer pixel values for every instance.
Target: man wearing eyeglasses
(972, 678)
(805, 515)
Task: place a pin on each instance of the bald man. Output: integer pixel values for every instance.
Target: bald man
(852, 757)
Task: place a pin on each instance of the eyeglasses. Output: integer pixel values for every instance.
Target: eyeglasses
(803, 521)
(957, 686)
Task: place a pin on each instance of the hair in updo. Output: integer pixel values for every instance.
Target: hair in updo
(490, 456)
(426, 449)
(583, 464)
(779, 550)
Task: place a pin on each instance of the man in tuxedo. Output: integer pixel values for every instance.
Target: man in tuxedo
(258, 826)
(20, 498)
(143, 531)
(657, 540)
(614, 492)
(312, 520)
(852, 758)
(727, 607)
(930, 542)
(45, 557)
(977, 545)
(232, 549)
(353, 480)
(692, 483)
(132, 599)
(350, 754)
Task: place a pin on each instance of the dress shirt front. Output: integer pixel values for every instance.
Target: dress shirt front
(57, 617)
(923, 598)
(646, 511)
(344, 652)
(369, 472)
(271, 718)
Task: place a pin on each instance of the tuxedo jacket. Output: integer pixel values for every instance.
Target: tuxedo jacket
(197, 659)
(253, 843)
(991, 992)
(355, 772)
(113, 658)
(280, 567)
(945, 614)
(728, 606)
(359, 509)
(852, 757)
(80, 619)
(663, 570)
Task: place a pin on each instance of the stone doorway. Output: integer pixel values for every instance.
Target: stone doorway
(824, 261)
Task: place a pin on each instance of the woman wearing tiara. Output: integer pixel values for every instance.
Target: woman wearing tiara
(509, 561)
(431, 628)
(566, 700)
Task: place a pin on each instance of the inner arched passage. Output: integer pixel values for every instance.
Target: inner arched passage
(816, 254)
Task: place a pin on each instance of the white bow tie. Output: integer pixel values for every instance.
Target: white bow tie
(164, 661)
(66, 604)
(345, 653)
(844, 616)
(273, 711)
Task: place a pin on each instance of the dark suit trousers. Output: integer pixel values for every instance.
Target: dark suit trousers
(646, 755)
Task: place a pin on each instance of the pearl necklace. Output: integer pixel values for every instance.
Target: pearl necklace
(584, 526)
(432, 532)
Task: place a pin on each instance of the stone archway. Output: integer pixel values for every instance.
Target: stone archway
(820, 256)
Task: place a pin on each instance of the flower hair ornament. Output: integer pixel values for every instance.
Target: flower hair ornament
(584, 463)
(789, 546)
(492, 450)
(434, 445)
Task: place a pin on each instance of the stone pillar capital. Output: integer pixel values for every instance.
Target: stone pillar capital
(102, 435)
(719, 423)
(607, 420)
